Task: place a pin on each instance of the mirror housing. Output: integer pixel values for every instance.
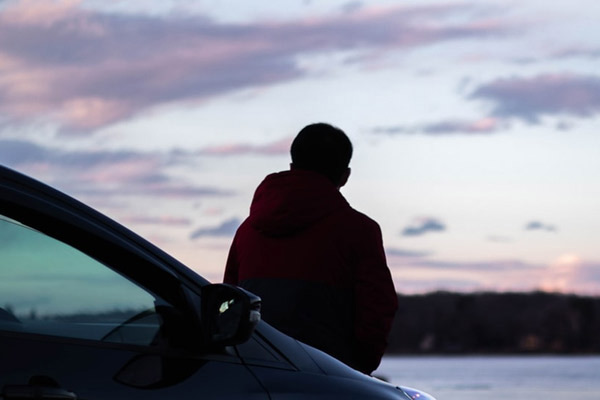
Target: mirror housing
(229, 314)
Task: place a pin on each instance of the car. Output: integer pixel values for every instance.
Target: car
(90, 310)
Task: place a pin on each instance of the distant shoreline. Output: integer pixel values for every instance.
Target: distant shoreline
(489, 323)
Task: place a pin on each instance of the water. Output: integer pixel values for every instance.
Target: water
(498, 377)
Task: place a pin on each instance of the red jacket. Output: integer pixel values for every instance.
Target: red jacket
(319, 267)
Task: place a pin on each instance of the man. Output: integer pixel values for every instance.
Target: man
(318, 265)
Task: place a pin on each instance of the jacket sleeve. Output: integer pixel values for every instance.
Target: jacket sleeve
(376, 300)
(232, 266)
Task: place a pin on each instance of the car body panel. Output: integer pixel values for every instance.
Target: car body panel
(92, 371)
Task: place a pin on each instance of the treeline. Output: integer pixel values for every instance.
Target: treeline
(449, 323)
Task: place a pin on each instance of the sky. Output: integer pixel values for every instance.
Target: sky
(474, 123)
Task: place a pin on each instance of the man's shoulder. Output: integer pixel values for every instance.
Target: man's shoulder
(355, 217)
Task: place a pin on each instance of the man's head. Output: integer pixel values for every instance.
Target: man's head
(324, 149)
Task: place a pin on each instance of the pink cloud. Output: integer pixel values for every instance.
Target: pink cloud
(567, 274)
(36, 12)
(85, 70)
(102, 173)
(89, 113)
(124, 171)
(482, 125)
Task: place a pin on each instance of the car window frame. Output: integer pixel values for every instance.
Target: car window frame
(52, 213)
(57, 220)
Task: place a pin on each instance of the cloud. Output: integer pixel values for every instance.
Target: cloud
(85, 69)
(539, 226)
(564, 126)
(568, 274)
(393, 130)
(587, 277)
(531, 98)
(163, 220)
(166, 189)
(423, 226)
(447, 127)
(484, 125)
(565, 53)
(499, 239)
(477, 266)
(102, 172)
(274, 148)
(352, 6)
(415, 286)
(571, 52)
(467, 275)
(22, 152)
(403, 253)
(527, 99)
(227, 228)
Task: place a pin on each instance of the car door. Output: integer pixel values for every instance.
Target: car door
(85, 313)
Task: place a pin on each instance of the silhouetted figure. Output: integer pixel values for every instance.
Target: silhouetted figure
(318, 264)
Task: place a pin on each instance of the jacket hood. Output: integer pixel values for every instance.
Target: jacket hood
(290, 201)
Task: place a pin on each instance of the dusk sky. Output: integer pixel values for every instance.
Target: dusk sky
(475, 124)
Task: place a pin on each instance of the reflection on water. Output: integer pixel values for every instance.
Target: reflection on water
(498, 377)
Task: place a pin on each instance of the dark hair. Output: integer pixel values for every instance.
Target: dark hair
(322, 148)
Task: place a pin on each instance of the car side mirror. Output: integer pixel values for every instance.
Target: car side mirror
(229, 314)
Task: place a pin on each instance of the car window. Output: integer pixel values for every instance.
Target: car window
(48, 287)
